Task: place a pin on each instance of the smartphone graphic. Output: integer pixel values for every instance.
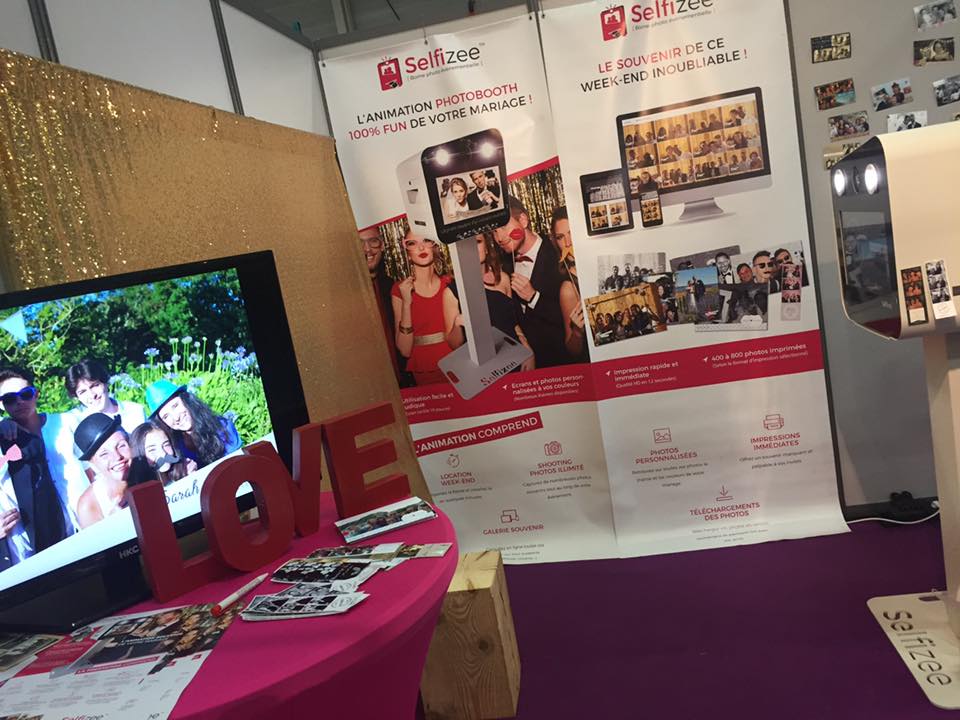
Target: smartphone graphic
(651, 212)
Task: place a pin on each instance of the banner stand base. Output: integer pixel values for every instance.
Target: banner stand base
(468, 378)
(917, 626)
(701, 210)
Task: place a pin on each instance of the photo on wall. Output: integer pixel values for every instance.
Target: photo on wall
(834, 94)
(947, 90)
(897, 122)
(835, 152)
(826, 48)
(891, 94)
(624, 314)
(697, 294)
(933, 14)
(929, 51)
(853, 124)
(616, 272)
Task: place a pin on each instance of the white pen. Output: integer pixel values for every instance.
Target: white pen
(217, 610)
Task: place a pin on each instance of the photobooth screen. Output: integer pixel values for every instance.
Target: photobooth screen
(470, 194)
(170, 364)
(693, 144)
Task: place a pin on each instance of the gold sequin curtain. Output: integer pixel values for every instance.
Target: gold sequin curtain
(98, 177)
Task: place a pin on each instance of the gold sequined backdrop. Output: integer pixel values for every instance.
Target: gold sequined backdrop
(98, 178)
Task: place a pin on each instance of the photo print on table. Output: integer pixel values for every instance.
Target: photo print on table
(836, 93)
(929, 51)
(933, 14)
(826, 48)
(624, 314)
(914, 296)
(835, 152)
(848, 125)
(616, 272)
(664, 284)
(384, 519)
(697, 294)
(891, 94)
(743, 300)
(898, 122)
(941, 296)
(946, 90)
(707, 258)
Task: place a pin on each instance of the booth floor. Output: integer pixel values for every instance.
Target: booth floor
(776, 630)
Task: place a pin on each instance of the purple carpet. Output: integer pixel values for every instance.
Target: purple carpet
(778, 630)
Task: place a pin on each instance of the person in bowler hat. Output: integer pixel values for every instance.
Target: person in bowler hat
(103, 444)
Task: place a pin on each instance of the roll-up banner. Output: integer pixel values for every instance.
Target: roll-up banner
(624, 359)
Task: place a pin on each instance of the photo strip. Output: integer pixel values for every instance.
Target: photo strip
(898, 122)
(914, 296)
(848, 125)
(791, 288)
(826, 48)
(836, 93)
(941, 296)
(616, 272)
(928, 51)
(891, 94)
(625, 314)
(934, 14)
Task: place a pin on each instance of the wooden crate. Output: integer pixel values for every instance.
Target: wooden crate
(473, 667)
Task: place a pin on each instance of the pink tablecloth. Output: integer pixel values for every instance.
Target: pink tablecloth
(363, 664)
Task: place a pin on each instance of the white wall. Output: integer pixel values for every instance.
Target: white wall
(277, 76)
(878, 386)
(16, 28)
(169, 46)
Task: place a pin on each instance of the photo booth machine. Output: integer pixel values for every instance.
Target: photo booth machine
(426, 183)
(897, 242)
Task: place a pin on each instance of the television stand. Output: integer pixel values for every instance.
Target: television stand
(73, 605)
(700, 210)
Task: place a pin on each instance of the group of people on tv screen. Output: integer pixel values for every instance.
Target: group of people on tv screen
(63, 472)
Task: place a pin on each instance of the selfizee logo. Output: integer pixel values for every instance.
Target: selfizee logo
(661, 9)
(613, 23)
(389, 72)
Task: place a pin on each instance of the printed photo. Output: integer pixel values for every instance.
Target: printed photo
(835, 152)
(743, 299)
(301, 606)
(914, 296)
(847, 125)
(826, 48)
(17, 647)
(697, 294)
(384, 551)
(928, 51)
(466, 195)
(896, 122)
(791, 284)
(940, 291)
(704, 259)
(390, 517)
(616, 272)
(891, 94)
(933, 14)
(665, 285)
(319, 570)
(947, 90)
(835, 94)
(625, 314)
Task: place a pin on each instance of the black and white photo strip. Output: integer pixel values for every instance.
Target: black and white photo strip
(616, 272)
(897, 122)
(929, 51)
(941, 295)
(849, 125)
(947, 90)
(933, 14)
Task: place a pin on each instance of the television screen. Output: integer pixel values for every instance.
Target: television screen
(108, 383)
(694, 144)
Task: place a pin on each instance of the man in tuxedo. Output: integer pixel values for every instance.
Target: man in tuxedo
(484, 194)
(372, 245)
(536, 286)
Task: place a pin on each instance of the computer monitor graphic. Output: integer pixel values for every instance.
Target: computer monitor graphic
(695, 151)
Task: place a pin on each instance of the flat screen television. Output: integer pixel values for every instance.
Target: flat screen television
(694, 151)
(148, 375)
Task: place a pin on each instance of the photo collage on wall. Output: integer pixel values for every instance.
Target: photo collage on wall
(848, 130)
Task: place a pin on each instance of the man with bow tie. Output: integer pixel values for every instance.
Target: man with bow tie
(535, 283)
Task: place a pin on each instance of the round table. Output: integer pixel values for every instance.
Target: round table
(365, 663)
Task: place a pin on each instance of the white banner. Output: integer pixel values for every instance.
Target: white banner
(675, 123)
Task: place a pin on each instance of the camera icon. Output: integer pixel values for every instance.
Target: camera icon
(553, 448)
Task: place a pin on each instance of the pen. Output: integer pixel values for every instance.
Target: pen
(217, 610)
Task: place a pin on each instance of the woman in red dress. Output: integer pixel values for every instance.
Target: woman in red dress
(426, 312)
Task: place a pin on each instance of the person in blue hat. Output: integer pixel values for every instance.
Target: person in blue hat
(198, 433)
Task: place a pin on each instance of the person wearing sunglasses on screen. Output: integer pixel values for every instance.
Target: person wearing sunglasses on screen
(35, 510)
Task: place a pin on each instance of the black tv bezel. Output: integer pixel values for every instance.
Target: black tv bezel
(764, 144)
(279, 375)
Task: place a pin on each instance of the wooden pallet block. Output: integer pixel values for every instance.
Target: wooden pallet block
(473, 667)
